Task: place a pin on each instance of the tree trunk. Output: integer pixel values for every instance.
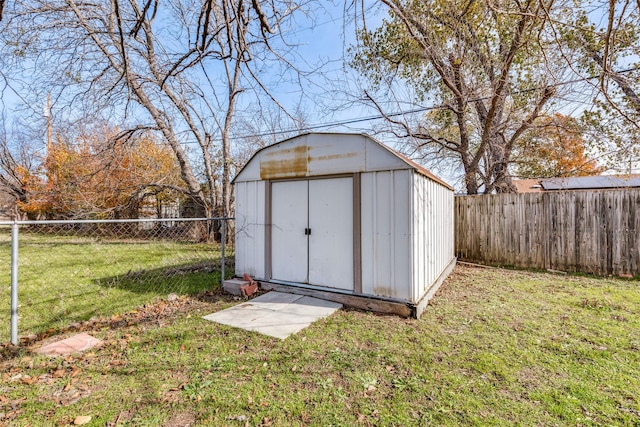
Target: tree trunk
(470, 179)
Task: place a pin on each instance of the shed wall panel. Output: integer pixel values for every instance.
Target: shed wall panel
(289, 159)
(432, 233)
(250, 228)
(385, 230)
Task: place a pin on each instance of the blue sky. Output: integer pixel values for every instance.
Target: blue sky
(322, 38)
(328, 95)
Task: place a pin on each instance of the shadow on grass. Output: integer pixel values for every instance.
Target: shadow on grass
(110, 295)
(183, 279)
(98, 309)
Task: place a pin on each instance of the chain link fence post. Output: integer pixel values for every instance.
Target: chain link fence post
(222, 242)
(108, 266)
(14, 283)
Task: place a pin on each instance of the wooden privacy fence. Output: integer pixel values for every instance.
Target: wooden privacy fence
(578, 231)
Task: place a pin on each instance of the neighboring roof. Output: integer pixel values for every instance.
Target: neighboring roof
(527, 185)
(591, 182)
(306, 154)
(577, 183)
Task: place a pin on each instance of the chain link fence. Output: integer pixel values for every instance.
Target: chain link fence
(55, 273)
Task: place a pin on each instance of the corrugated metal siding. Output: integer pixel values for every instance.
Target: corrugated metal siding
(385, 229)
(250, 228)
(432, 233)
(406, 219)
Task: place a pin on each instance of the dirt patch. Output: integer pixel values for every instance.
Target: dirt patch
(183, 419)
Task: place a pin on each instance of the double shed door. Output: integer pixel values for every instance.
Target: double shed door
(312, 232)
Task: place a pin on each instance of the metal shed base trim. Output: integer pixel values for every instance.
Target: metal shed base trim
(363, 302)
(307, 286)
(422, 304)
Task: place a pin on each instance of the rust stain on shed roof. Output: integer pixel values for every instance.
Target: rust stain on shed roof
(294, 162)
(288, 163)
(333, 156)
(284, 152)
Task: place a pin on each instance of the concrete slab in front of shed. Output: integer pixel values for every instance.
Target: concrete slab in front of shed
(276, 314)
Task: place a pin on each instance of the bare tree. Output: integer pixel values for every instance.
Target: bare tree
(176, 67)
(600, 44)
(482, 68)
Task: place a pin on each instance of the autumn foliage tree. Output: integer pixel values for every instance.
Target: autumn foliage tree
(184, 69)
(100, 175)
(555, 148)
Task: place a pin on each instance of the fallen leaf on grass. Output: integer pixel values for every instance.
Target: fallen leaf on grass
(46, 379)
(28, 361)
(17, 377)
(58, 373)
(29, 380)
(82, 420)
(11, 415)
(180, 386)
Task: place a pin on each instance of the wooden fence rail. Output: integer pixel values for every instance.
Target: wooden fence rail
(594, 232)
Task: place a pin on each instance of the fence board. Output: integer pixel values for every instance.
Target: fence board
(594, 232)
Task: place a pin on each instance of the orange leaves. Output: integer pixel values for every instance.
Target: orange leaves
(100, 175)
(556, 148)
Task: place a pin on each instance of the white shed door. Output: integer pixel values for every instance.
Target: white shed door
(289, 243)
(312, 233)
(331, 239)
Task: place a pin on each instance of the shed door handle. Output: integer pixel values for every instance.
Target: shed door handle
(307, 232)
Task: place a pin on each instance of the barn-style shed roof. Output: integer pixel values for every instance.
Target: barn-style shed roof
(319, 154)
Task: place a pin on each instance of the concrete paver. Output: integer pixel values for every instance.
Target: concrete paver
(276, 314)
(75, 344)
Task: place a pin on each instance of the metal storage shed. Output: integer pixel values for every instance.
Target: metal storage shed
(345, 218)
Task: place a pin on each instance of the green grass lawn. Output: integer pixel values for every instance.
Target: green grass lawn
(496, 347)
(66, 279)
